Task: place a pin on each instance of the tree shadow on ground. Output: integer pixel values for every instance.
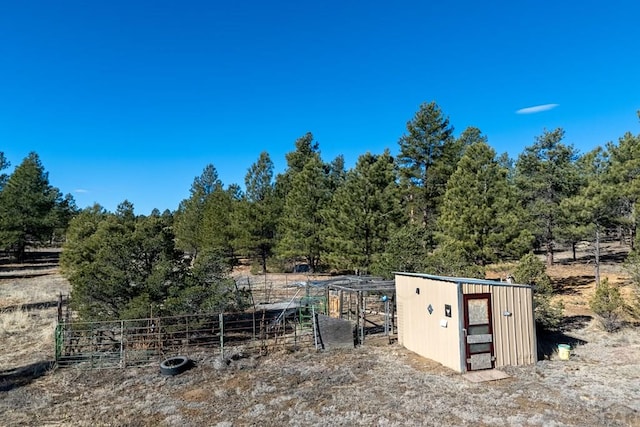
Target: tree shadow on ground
(548, 341)
(27, 272)
(571, 285)
(41, 257)
(571, 323)
(32, 306)
(24, 375)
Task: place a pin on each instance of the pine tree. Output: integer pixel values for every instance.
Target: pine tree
(428, 155)
(593, 208)
(363, 213)
(624, 174)
(545, 175)
(258, 215)
(301, 224)
(217, 228)
(190, 215)
(477, 217)
(4, 164)
(26, 204)
(607, 304)
(306, 149)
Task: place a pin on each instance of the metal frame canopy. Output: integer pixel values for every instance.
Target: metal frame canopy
(360, 283)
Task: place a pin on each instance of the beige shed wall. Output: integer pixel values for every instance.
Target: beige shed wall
(422, 332)
(513, 336)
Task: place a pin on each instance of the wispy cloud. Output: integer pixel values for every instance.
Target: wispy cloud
(537, 109)
(80, 190)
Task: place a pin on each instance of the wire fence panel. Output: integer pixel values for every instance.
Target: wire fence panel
(138, 342)
(284, 318)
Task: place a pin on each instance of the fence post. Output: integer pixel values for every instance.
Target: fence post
(123, 356)
(315, 330)
(59, 340)
(253, 316)
(60, 308)
(221, 334)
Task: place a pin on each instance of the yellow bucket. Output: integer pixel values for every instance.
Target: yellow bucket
(564, 351)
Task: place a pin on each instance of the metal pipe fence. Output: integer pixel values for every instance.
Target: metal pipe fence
(139, 342)
(284, 317)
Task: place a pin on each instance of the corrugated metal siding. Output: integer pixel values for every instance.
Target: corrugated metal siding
(422, 332)
(514, 336)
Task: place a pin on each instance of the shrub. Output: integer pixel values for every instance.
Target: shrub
(532, 271)
(607, 304)
(632, 266)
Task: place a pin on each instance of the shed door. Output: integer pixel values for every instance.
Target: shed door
(478, 331)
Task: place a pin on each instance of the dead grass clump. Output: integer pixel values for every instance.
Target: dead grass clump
(15, 321)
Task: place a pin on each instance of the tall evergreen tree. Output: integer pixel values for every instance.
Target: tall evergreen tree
(545, 175)
(217, 228)
(336, 173)
(302, 223)
(363, 213)
(428, 155)
(624, 174)
(26, 204)
(4, 164)
(258, 217)
(403, 252)
(305, 149)
(189, 219)
(477, 216)
(64, 210)
(593, 207)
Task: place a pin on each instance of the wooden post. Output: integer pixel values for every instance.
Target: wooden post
(221, 320)
(123, 356)
(358, 317)
(326, 300)
(60, 308)
(393, 314)
(364, 316)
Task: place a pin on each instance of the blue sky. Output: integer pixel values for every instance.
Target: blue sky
(132, 99)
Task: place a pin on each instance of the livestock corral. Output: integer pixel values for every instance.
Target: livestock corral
(376, 382)
(284, 319)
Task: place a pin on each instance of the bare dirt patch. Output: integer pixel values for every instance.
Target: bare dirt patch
(376, 384)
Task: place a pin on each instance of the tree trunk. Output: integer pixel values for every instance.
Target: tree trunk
(549, 254)
(597, 256)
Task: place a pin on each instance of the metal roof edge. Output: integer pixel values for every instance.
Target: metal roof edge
(468, 280)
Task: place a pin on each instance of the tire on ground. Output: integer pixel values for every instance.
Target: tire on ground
(175, 365)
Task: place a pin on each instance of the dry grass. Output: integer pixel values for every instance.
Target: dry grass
(14, 322)
(377, 384)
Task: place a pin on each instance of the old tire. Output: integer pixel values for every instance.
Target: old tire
(175, 365)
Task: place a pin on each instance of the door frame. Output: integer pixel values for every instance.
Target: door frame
(466, 345)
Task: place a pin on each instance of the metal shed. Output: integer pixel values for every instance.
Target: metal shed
(466, 324)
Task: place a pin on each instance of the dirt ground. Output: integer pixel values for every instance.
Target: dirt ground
(377, 384)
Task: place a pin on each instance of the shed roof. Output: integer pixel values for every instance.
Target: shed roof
(462, 280)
